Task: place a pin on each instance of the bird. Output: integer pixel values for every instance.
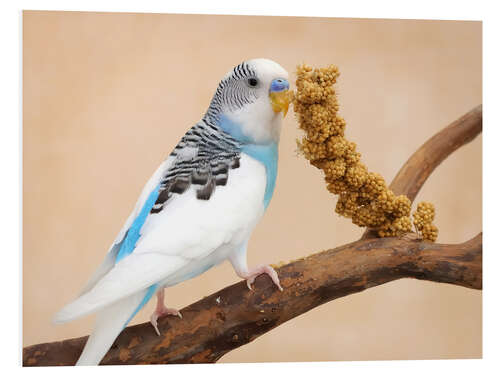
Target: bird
(197, 210)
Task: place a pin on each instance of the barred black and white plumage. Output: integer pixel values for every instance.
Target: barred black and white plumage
(205, 155)
(231, 93)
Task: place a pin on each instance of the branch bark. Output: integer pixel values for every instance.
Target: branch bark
(413, 174)
(235, 316)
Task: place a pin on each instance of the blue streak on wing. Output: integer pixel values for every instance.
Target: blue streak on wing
(130, 240)
(134, 232)
(151, 291)
(267, 155)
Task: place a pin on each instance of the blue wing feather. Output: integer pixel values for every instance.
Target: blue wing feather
(134, 232)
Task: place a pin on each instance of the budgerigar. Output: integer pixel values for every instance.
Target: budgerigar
(198, 209)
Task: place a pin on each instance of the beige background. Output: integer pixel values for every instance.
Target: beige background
(107, 97)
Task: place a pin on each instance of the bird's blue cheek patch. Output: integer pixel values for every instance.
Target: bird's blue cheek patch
(279, 84)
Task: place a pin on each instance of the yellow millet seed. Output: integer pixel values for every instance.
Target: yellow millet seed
(422, 220)
(363, 196)
(332, 106)
(385, 200)
(337, 126)
(396, 228)
(352, 157)
(424, 214)
(402, 206)
(402, 225)
(346, 205)
(374, 184)
(356, 176)
(312, 92)
(337, 146)
(313, 150)
(368, 216)
(337, 187)
(385, 230)
(333, 169)
(430, 232)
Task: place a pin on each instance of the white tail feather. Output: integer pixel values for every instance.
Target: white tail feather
(103, 269)
(110, 321)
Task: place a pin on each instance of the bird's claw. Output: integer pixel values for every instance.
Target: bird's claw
(252, 274)
(154, 323)
(161, 312)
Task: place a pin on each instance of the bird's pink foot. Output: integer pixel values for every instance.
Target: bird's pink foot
(250, 275)
(161, 311)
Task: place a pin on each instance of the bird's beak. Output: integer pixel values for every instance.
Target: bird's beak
(280, 101)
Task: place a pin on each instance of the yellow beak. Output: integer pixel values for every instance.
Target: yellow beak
(280, 101)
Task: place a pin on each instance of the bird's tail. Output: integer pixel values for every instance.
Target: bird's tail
(110, 321)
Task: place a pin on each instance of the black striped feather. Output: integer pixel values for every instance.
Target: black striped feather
(214, 154)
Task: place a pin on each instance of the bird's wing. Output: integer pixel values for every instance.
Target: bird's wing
(215, 205)
(203, 158)
(109, 260)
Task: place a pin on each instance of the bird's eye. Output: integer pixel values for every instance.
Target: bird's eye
(252, 82)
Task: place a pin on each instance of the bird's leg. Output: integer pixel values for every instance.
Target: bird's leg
(239, 261)
(161, 310)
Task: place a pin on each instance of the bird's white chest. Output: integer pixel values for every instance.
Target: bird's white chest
(234, 209)
(207, 231)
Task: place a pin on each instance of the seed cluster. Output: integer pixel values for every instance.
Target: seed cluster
(422, 219)
(363, 196)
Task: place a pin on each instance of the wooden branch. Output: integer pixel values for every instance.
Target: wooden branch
(235, 316)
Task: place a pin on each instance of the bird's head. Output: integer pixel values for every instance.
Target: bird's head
(251, 101)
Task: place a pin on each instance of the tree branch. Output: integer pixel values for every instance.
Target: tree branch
(235, 316)
(413, 174)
